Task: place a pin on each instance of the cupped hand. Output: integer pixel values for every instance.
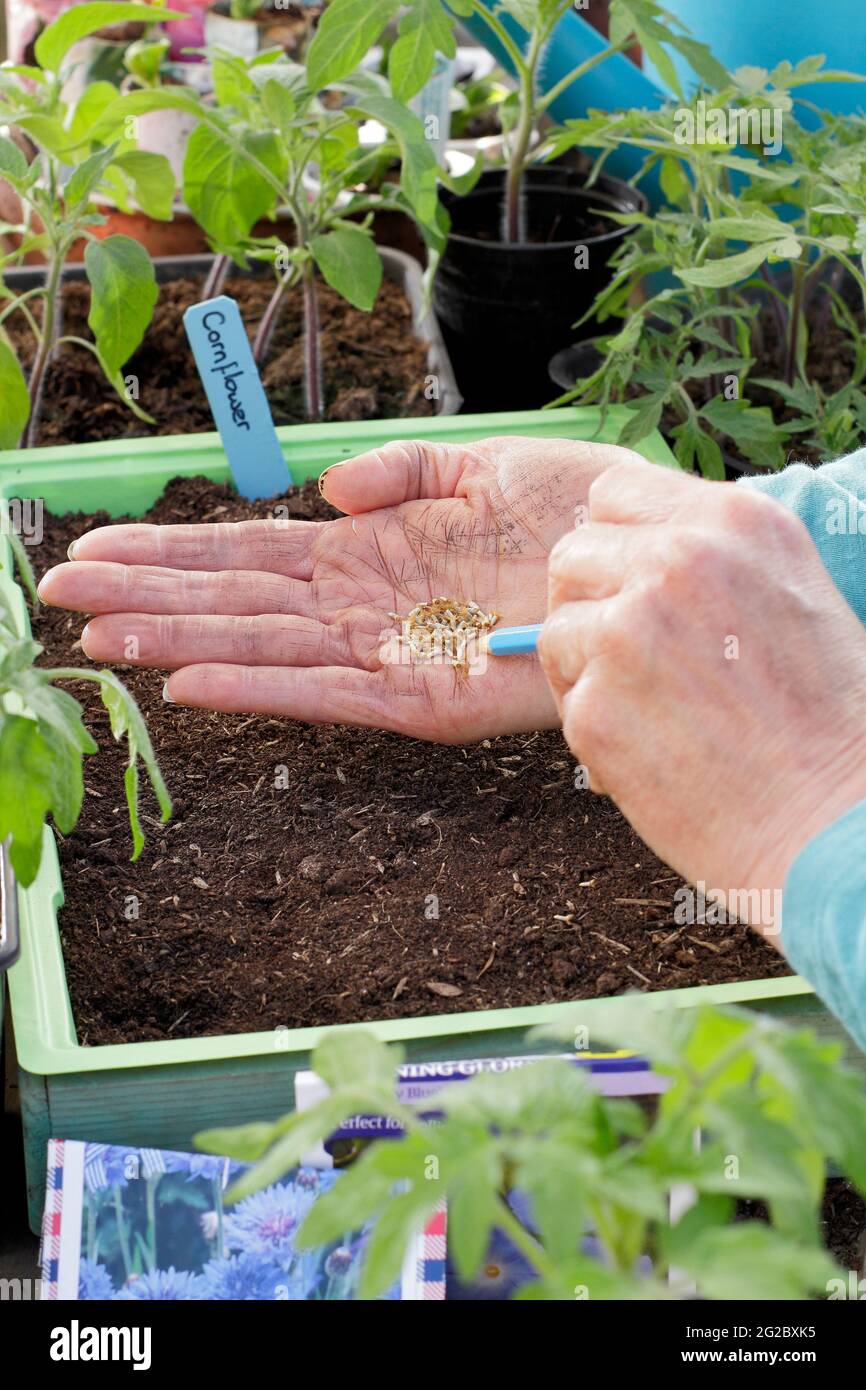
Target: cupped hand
(710, 677)
(288, 617)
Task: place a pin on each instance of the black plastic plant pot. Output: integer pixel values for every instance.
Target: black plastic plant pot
(571, 364)
(506, 308)
(9, 946)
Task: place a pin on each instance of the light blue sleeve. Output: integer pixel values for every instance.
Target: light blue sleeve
(824, 900)
(831, 502)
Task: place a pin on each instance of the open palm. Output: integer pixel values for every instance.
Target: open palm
(288, 618)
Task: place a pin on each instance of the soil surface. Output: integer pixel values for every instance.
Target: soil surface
(374, 366)
(316, 903)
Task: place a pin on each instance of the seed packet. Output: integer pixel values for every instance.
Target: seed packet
(126, 1224)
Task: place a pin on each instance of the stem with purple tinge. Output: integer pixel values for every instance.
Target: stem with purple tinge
(794, 324)
(50, 326)
(270, 318)
(216, 278)
(312, 346)
(778, 309)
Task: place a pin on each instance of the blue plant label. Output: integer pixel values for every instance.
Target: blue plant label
(236, 397)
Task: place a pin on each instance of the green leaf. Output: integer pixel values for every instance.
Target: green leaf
(123, 294)
(84, 179)
(410, 63)
(26, 792)
(674, 181)
(345, 32)
(152, 180)
(474, 1207)
(55, 42)
(115, 117)
(94, 100)
(425, 30)
(748, 1261)
(13, 165)
(295, 1135)
(126, 720)
(734, 269)
(700, 58)
(695, 444)
(279, 106)
(419, 174)
(356, 1058)
(349, 261)
(643, 420)
(387, 1245)
(14, 396)
(49, 133)
(144, 58)
(225, 193)
(752, 429)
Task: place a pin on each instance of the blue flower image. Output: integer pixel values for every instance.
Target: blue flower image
(267, 1223)
(111, 1166)
(204, 1166)
(163, 1284)
(503, 1272)
(94, 1281)
(242, 1278)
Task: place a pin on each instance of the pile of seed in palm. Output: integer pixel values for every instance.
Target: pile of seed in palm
(446, 629)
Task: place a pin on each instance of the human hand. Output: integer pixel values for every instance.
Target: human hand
(287, 618)
(709, 675)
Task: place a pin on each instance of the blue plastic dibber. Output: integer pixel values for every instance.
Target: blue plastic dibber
(236, 397)
(511, 641)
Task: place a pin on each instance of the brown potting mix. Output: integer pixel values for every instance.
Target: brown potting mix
(319, 875)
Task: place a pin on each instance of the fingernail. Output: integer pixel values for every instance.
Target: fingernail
(73, 546)
(84, 631)
(329, 469)
(166, 696)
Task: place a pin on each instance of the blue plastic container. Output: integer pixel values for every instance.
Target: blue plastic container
(762, 33)
(614, 84)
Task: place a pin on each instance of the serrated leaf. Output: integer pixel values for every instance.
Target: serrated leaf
(126, 720)
(13, 165)
(123, 294)
(349, 261)
(423, 32)
(732, 270)
(346, 30)
(752, 429)
(410, 63)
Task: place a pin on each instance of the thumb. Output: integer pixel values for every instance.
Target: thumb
(401, 471)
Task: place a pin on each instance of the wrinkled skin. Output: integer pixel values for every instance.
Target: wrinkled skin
(709, 674)
(287, 618)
